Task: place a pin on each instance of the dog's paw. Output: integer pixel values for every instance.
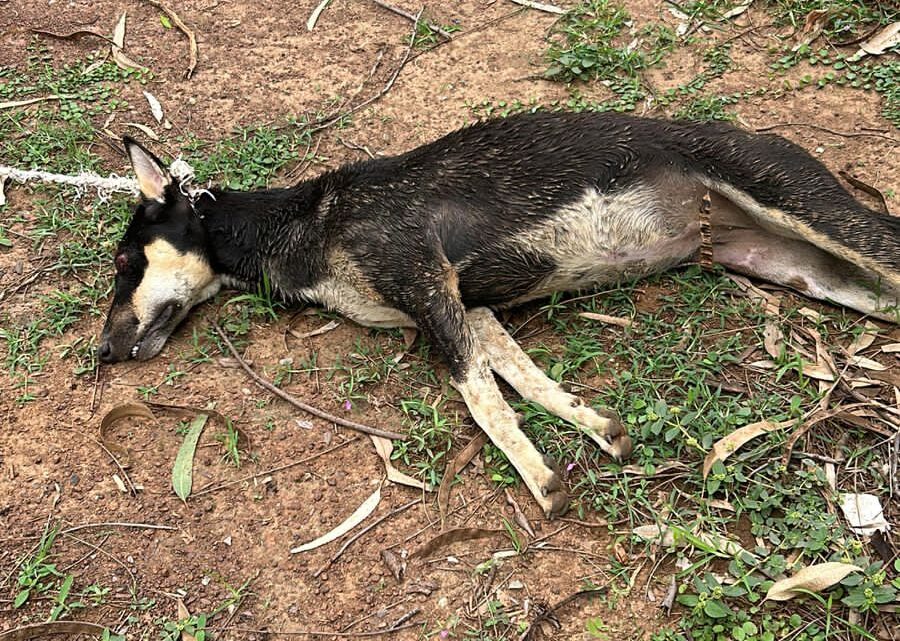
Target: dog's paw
(554, 499)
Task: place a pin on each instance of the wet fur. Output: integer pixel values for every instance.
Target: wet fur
(511, 210)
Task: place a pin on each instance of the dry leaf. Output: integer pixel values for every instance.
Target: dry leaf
(813, 578)
(865, 339)
(725, 447)
(736, 11)
(122, 60)
(155, 108)
(773, 337)
(672, 536)
(818, 372)
(811, 314)
(866, 363)
(816, 21)
(455, 467)
(359, 515)
(885, 39)
(122, 454)
(454, 536)
(384, 447)
(3, 179)
(864, 513)
(609, 320)
(30, 101)
(145, 129)
(120, 484)
(396, 564)
(891, 348)
(314, 16)
(540, 6)
(518, 514)
(183, 615)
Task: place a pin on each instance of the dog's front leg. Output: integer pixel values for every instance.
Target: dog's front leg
(516, 368)
(443, 319)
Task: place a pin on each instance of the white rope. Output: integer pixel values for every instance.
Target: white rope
(105, 186)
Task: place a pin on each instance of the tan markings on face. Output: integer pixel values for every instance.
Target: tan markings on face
(171, 276)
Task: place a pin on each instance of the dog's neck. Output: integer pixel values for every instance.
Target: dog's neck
(253, 237)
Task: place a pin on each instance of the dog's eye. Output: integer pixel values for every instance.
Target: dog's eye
(121, 262)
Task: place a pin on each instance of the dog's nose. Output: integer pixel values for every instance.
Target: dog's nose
(105, 351)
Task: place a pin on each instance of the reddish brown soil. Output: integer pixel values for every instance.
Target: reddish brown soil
(258, 63)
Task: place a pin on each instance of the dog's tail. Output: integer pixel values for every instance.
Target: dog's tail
(786, 190)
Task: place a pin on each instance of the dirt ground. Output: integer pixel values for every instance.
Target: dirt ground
(257, 63)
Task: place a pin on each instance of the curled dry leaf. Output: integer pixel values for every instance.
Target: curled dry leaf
(384, 447)
(725, 447)
(453, 536)
(816, 21)
(885, 39)
(814, 578)
(359, 515)
(116, 48)
(139, 410)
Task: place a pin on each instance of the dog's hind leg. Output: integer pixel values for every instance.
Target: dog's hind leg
(513, 365)
(743, 245)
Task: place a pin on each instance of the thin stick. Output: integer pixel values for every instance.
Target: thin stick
(540, 6)
(208, 489)
(324, 633)
(259, 380)
(365, 530)
(138, 526)
(178, 22)
(411, 17)
(387, 87)
(846, 134)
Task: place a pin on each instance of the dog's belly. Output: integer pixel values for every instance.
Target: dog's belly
(604, 239)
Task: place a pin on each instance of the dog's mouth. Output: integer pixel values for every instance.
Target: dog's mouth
(154, 338)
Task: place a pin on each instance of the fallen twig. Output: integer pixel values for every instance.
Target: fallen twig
(323, 633)
(214, 488)
(362, 532)
(330, 120)
(191, 36)
(73, 34)
(845, 134)
(409, 16)
(259, 380)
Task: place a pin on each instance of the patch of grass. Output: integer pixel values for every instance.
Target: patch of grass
(427, 34)
(847, 19)
(249, 158)
(430, 437)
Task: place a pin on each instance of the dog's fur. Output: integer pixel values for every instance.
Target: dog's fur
(497, 214)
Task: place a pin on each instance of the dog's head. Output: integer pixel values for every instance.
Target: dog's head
(162, 269)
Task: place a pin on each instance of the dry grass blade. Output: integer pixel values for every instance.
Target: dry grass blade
(384, 447)
(453, 536)
(42, 630)
(191, 36)
(359, 515)
(455, 467)
(813, 578)
(725, 447)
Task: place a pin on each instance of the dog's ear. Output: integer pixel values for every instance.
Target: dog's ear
(152, 175)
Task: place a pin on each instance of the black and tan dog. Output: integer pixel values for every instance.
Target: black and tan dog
(496, 214)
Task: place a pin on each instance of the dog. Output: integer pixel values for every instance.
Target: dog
(493, 215)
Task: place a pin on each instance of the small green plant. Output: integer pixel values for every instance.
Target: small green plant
(36, 574)
(229, 440)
